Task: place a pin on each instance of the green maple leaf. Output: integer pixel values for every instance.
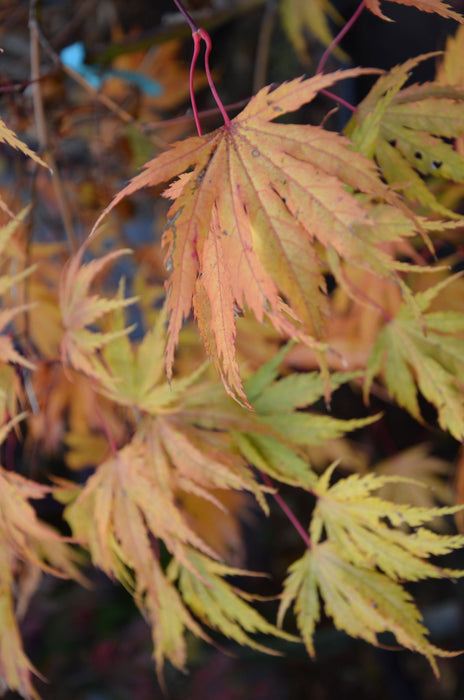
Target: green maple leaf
(408, 132)
(424, 355)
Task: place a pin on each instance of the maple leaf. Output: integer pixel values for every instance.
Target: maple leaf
(425, 355)
(242, 231)
(119, 493)
(275, 436)
(117, 526)
(418, 466)
(218, 604)
(135, 373)
(69, 411)
(11, 390)
(23, 537)
(365, 527)
(300, 17)
(118, 518)
(174, 432)
(279, 434)
(9, 137)
(189, 448)
(359, 559)
(438, 7)
(450, 71)
(361, 601)
(79, 309)
(169, 619)
(44, 325)
(405, 130)
(218, 520)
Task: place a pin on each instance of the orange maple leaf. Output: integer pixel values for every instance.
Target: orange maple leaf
(253, 201)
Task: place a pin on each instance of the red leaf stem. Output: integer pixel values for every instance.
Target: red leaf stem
(288, 512)
(335, 42)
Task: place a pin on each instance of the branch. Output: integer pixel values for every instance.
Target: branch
(40, 123)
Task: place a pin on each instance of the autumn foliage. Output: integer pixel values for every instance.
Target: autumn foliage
(297, 260)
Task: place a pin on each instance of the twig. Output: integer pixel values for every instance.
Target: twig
(161, 35)
(188, 18)
(39, 113)
(335, 42)
(153, 126)
(264, 43)
(106, 101)
(39, 116)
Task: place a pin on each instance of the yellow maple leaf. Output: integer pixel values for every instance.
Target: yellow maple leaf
(450, 70)
(218, 604)
(366, 527)
(9, 137)
(361, 601)
(359, 559)
(301, 16)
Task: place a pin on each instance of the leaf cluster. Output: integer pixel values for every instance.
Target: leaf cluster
(265, 217)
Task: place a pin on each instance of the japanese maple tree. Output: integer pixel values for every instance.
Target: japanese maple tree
(306, 260)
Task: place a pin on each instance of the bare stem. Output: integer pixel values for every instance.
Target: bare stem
(198, 34)
(335, 42)
(206, 38)
(288, 512)
(196, 50)
(340, 100)
(188, 18)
